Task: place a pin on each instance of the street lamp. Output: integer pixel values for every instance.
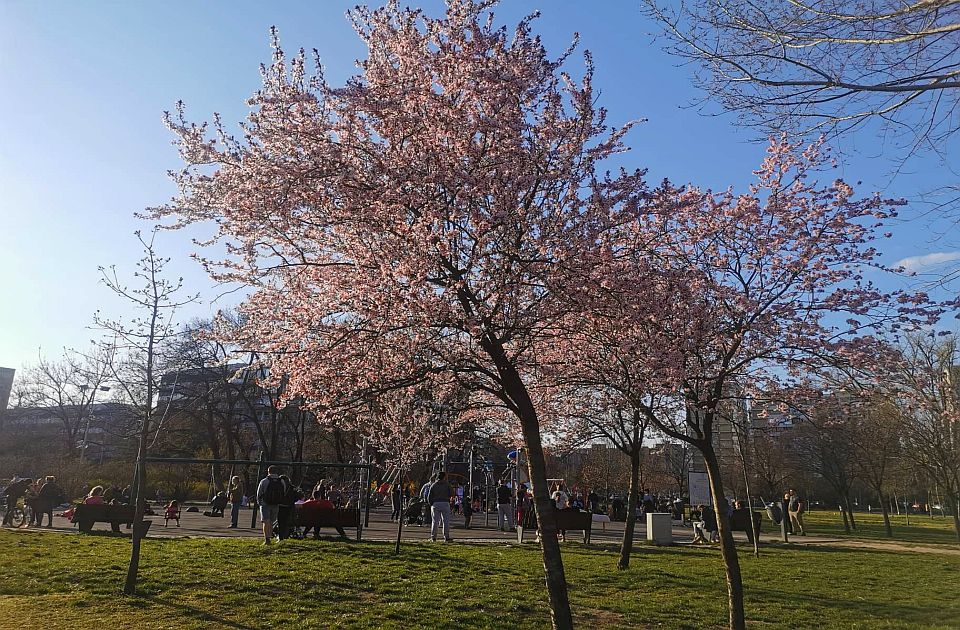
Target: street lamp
(86, 431)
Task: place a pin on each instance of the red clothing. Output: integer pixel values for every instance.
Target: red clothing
(94, 500)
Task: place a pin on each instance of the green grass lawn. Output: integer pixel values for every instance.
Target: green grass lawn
(921, 529)
(73, 581)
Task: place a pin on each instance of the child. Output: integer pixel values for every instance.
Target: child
(172, 513)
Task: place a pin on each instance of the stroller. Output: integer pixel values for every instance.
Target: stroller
(414, 512)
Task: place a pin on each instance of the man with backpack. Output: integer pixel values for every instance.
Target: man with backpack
(270, 495)
(439, 498)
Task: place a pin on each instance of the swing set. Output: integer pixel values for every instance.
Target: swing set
(362, 482)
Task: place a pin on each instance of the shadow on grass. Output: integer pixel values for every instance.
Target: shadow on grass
(192, 612)
(880, 611)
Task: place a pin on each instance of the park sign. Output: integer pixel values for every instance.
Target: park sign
(699, 486)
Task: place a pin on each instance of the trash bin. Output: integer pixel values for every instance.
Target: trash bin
(660, 528)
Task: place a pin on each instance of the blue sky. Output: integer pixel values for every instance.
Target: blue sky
(82, 146)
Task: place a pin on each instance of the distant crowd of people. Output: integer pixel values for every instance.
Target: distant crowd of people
(433, 504)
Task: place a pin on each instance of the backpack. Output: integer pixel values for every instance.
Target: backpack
(275, 492)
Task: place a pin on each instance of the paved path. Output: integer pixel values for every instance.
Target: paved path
(196, 525)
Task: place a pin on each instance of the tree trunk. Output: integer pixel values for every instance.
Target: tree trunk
(853, 521)
(626, 546)
(846, 523)
(396, 549)
(139, 502)
(727, 547)
(955, 511)
(515, 389)
(886, 517)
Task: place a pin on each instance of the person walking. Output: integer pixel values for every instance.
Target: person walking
(504, 507)
(796, 506)
(270, 494)
(439, 499)
(396, 502)
(785, 512)
(235, 494)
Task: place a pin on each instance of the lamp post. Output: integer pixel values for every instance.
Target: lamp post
(86, 430)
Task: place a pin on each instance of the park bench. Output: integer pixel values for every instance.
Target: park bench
(336, 518)
(568, 520)
(739, 522)
(85, 515)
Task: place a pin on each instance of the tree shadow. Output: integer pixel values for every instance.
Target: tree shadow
(195, 613)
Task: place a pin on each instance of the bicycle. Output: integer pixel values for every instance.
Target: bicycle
(18, 515)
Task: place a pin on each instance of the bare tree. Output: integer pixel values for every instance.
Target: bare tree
(930, 384)
(822, 64)
(769, 461)
(671, 463)
(877, 440)
(141, 340)
(825, 447)
(69, 387)
(830, 66)
(602, 413)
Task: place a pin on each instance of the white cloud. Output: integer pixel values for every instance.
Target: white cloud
(922, 263)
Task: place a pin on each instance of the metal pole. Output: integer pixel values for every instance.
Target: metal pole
(260, 471)
(784, 517)
(402, 510)
(486, 498)
(514, 477)
(363, 492)
(86, 433)
(470, 476)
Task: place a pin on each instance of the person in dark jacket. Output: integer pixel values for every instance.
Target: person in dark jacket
(396, 501)
(50, 496)
(439, 499)
(235, 494)
(710, 523)
(15, 491)
(285, 513)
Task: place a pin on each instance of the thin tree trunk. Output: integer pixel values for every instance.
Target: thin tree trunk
(556, 581)
(626, 546)
(728, 549)
(396, 549)
(955, 510)
(139, 500)
(754, 534)
(516, 391)
(886, 517)
(846, 523)
(853, 521)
